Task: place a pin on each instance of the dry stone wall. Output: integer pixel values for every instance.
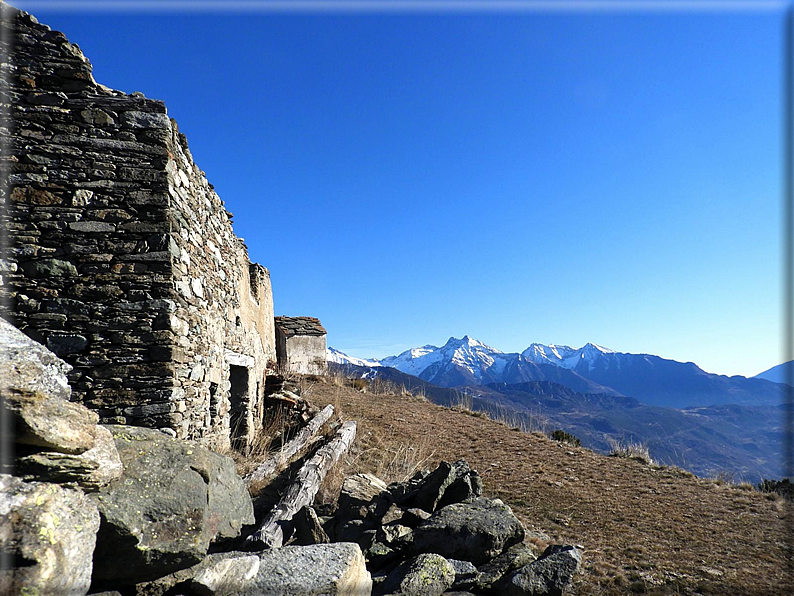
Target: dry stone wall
(122, 258)
(224, 318)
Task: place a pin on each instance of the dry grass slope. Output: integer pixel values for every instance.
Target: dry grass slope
(644, 528)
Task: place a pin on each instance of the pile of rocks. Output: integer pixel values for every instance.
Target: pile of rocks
(83, 504)
(437, 533)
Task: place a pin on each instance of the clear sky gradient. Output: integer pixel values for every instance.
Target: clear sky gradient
(554, 176)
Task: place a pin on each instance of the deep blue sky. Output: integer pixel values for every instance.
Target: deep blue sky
(556, 177)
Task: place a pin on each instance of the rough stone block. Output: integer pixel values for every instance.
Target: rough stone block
(550, 575)
(28, 366)
(424, 575)
(336, 568)
(225, 577)
(475, 531)
(172, 501)
(50, 422)
(134, 119)
(89, 470)
(49, 268)
(64, 344)
(50, 534)
(92, 226)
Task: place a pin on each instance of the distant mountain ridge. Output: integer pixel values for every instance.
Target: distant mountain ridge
(782, 373)
(745, 441)
(592, 368)
(338, 357)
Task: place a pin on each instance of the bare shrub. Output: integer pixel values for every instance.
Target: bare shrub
(335, 376)
(384, 455)
(631, 450)
(464, 401)
(784, 488)
(528, 422)
(561, 436)
(267, 440)
(418, 393)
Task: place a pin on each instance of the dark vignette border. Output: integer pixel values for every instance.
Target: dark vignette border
(6, 39)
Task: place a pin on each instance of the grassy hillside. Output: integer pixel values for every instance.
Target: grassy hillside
(644, 528)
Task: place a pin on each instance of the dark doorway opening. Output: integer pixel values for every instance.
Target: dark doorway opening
(238, 401)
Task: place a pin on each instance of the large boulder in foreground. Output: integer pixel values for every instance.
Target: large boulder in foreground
(172, 501)
(494, 570)
(35, 392)
(49, 422)
(49, 533)
(89, 470)
(328, 569)
(57, 440)
(447, 484)
(27, 366)
(476, 531)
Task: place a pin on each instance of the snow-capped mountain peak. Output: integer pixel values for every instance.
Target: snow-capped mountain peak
(468, 354)
(565, 356)
(591, 347)
(467, 343)
(334, 355)
(551, 354)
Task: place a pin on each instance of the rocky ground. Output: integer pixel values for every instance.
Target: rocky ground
(643, 528)
(130, 511)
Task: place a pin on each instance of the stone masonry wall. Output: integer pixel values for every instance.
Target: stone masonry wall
(90, 273)
(122, 258)
(224, 315)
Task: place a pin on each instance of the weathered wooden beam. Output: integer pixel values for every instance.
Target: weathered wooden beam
(302, 490)
(277, 460)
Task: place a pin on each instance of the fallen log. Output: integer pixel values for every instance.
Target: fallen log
(302, 490)
(274, 462)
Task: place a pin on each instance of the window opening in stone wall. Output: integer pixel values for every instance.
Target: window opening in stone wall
(214, 401)
(238, 398)
(259, 412)
(253, 280)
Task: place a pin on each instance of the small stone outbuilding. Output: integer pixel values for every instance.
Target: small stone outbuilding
(300, 345)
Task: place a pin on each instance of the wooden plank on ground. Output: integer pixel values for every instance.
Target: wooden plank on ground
(278, 460)
(302, 490)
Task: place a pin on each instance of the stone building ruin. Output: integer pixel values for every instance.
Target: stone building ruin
(122, 258)
(300, 345)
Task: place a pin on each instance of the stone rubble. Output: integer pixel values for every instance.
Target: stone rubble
(173, 500)
(479, 538)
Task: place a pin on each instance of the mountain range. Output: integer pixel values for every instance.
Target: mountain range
(706, 423)
(651, 379)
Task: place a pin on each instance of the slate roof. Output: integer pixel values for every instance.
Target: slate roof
(300, 326)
